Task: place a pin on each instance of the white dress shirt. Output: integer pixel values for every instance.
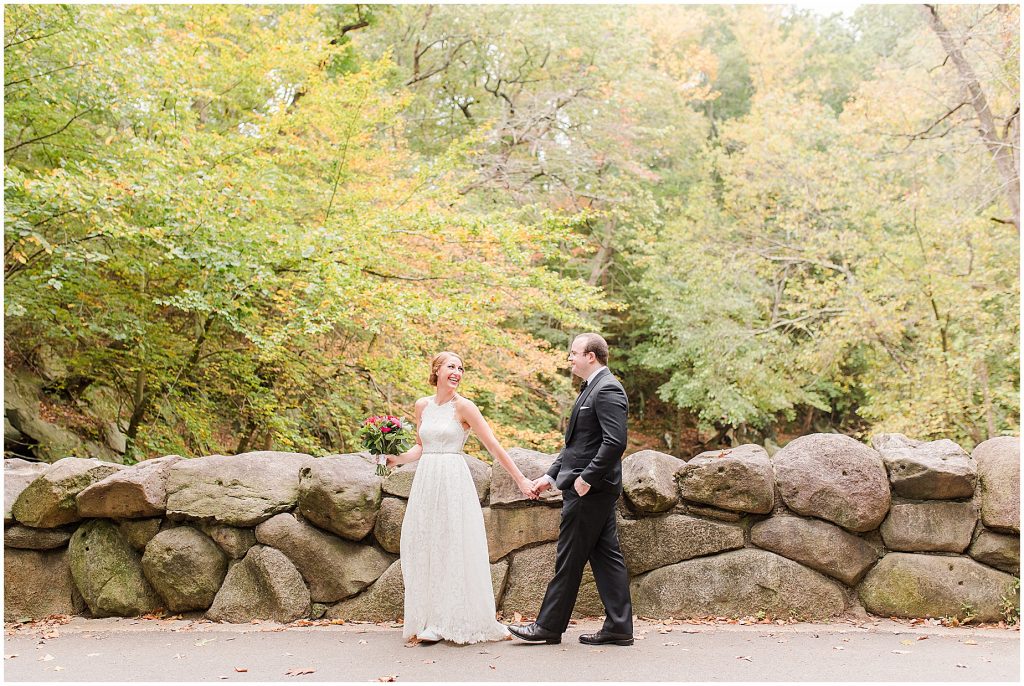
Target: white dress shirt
(589, 379)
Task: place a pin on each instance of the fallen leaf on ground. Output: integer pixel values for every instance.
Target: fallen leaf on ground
(902, 652)
(962, 666)
(388, 677)
(744, 657)
(297, 671)
(907, 642)
(362, 643)
(58, 668)
(429, 662)
(838, 648)
(671, 643)
(517, 617)
(203, 641)
(8, 657)
(241, 669)
(970, 642)
(46, 658)
(922, 638)
(177, 656)
(492, 666)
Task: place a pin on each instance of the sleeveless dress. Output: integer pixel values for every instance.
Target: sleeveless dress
(443, 546)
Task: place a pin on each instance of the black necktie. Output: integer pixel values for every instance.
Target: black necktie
(583, 386)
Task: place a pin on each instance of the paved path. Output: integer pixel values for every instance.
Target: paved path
(182, 650)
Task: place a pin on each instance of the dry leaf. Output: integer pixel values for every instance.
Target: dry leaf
(388, 677)
(517, 617)
(492, 666)
(58, 668)
(429, 662)
(902, 652)
(970, 642)
(298, 671)
(46, 658)
(8, 657)
(671, 643)
(177, 656)
(744, 657)
(241, 669)
(362, 642)
(922, 638)
(961, 666)
(203, 641)
(907, 642)
(838, 648)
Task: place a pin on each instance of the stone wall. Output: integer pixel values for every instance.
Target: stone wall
(825, 527)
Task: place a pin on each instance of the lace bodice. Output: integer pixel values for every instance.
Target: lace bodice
(440, 431)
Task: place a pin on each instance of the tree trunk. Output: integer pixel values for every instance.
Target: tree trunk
(1003, 150)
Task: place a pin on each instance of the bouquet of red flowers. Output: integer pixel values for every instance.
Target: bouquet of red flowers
(386, 435)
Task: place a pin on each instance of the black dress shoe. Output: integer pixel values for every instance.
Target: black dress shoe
(533, 632)
(605, 637)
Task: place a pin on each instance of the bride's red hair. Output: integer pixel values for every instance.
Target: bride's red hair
(438, 360)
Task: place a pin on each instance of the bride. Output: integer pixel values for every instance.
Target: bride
(448, 593)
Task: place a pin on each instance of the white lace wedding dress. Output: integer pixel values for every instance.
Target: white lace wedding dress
(444, 548)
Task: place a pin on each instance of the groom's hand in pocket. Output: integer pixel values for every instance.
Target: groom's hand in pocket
(581, 486)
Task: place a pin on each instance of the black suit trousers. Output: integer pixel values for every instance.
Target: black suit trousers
(588, 532)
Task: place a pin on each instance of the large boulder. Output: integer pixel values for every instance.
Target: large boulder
(999, 479)
(910, 585)
(738, 584)
(185, 567)
(18, 474)
(935, 526)
(108, 572)
(264, 585)
(135, 492)
(738, 479)
(652, 542)
(332, 567)
(26, 537)
(819, 545)
(1001, 551)
(238, 490)
(37, 583)
(384, 600)
(833, 477)
(481, 473)
(937, 470)
(528, 576)
(341, 493)
(649, 481)
(49, 501)
(233, 540)
(509, 529)
(533, 465)
(388, 527)
(139, 532)
(399, 481)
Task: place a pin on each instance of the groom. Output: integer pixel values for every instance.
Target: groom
(589, 473)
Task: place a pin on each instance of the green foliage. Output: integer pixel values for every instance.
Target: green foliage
(256, 223)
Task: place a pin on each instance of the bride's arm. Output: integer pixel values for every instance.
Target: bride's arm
(414, 453)
(469, 413)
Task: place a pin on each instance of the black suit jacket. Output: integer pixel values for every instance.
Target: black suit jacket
(595, 438)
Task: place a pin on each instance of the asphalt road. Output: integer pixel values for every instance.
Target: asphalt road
(183, 650)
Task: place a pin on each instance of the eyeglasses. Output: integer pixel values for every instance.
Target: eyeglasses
(573, 354)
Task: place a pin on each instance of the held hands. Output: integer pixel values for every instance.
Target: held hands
(528, 488)
(540, 484)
